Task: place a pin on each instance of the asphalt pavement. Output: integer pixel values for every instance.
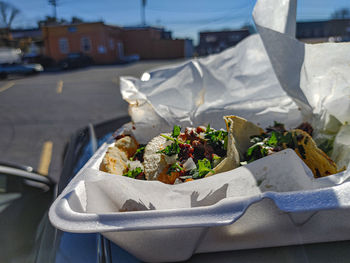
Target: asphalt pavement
(38, 114)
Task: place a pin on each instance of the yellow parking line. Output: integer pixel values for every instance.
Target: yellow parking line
(115, 80)
(7, 85)
(59, 86)
(45, 158)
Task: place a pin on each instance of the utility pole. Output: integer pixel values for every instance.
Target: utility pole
(143, 14)
(54, 5)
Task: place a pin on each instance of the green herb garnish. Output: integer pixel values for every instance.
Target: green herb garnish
(134, 173)
(175, 167)
(171, 149)
(217, 139)
(203, 168)
(256, 152)
(139, 153)
(176, 131)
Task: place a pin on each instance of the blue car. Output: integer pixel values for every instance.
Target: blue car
(19, 69)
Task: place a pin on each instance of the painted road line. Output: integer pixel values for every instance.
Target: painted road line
(115, 80)
(45, 158)
(59, 86)
(7, 85)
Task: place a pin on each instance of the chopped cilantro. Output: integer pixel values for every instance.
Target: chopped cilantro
(176, 131)
(217, 139)
(139, 153)
(273, 141)
(134, 173)
(208, 129)
(171, 149)
(203, 168)
(168, 138)
(256, 152)
(175, 167)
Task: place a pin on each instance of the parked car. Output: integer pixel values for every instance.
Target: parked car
(128, 59)
(75, 60)
(19, 69)
(45, 61)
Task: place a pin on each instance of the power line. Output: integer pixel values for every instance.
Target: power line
(228, 17)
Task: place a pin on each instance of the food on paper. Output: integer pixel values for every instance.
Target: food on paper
(174, 157)
(203, 151)
(116, 158)
(253, 143)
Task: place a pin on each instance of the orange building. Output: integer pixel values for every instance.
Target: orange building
(109, 44)
(97, 40)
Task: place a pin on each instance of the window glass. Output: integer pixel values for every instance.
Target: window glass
(111, 44)
(63, 45)
(85, 44)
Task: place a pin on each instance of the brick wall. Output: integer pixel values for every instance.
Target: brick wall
(147, 43)
(103, 41)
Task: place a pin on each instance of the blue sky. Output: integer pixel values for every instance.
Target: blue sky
(185, 18)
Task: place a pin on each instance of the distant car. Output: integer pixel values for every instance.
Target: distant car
(129, 59)
(18, 68)
(45, 61)
(75, 60)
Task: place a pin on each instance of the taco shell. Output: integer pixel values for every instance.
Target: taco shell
(319, 163)
(241, 130)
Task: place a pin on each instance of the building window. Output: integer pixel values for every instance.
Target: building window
(210, 39)
(72, 29)
(85, 44)
(101, 49)
(111, 44)
(63, 45)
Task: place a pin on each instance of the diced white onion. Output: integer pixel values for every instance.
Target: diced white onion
(201, 135)
(189, 164)
(170, 159)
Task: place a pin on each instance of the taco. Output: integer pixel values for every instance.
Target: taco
(254, 143)
(173, 157)
(203, 151)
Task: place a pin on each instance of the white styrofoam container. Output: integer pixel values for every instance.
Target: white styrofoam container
(262, 220)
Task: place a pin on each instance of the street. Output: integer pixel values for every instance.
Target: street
(38, 114)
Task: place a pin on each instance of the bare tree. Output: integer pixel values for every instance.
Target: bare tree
(8, 13)
(343, 13)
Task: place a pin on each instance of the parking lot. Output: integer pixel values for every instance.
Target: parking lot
(38, 114)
